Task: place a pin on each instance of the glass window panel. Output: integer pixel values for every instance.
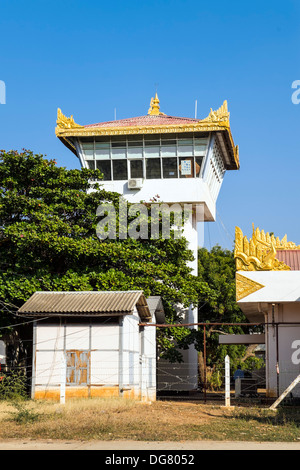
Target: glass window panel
(88, 145)
(119, 144)
(169, 167)
(168, 151)
(102, 145)
(168, 142)
(136, 168)
(138, 143)
(185, 150)
(153, 169)
(198, 165)
(91, 164)
(135, 152)
(89, 153)
(185, 141)
(118, 153)
(102, 154)
(186, 167)
(152, 152)
(200, 150)
(152, 137)
(185, 135)
(120, 170)
(149, 143)
(105, 167)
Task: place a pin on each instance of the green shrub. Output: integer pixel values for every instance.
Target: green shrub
(12, 385)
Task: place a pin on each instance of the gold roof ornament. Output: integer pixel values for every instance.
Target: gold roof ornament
(63, 122)
(246, 286)
(154, 107)
(259, 252)
(220, 115)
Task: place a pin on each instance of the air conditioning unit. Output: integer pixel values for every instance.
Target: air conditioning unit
(135, 183)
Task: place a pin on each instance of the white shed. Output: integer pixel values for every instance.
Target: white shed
(91, 344)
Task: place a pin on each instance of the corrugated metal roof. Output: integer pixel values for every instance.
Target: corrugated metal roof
(290, 257)
(87, 303)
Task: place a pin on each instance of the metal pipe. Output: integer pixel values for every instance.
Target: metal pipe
(170, 325)
(173, 325)
(277, 358)
(204, 360)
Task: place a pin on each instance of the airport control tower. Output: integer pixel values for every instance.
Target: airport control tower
(183, 160)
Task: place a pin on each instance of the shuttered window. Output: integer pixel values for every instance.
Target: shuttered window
(78, 367)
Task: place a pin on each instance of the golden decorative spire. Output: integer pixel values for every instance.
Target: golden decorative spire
(64, 122)
(154, 107)
(220, 115)
(259, 252)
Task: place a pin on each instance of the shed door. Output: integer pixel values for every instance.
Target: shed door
(78, 363)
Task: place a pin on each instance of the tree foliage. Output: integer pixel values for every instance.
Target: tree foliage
(48, 241)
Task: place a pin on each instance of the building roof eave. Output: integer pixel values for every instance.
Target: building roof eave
(216, 121)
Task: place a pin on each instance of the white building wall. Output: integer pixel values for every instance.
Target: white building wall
(105, 354)
(49, 355)
(116, 357)
(283, 347)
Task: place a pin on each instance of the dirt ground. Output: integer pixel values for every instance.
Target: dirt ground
(49, 445)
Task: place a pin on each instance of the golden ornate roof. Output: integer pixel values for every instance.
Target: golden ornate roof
(155, 122)
(154, 107)
(259, 252)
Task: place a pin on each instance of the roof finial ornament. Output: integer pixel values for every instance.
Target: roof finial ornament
(154, 106)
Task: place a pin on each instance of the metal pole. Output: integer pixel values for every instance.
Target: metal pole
(63, 380)
(204, 360)
(227, 381)
(277, 358)
(33, 373)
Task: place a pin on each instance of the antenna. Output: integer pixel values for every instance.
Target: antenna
(196, 109)
(115, 114)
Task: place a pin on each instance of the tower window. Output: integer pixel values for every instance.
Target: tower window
(153, 168)
(186, 167)
(120, 170)
(154, 156)
(136, 168)
(105, 167)
(169, 167)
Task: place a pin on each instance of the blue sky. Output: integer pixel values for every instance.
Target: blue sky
(90, 57)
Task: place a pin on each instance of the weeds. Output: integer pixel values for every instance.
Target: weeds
(13, 386)
(109, 419)
(23, 415)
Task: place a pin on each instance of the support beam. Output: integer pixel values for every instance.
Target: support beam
(284, 394)
(242, 339)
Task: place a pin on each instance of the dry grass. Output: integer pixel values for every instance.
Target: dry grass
(109, 419)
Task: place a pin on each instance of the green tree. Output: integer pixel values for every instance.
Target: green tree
(48, 241)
